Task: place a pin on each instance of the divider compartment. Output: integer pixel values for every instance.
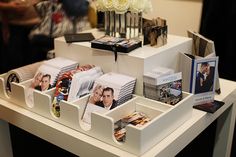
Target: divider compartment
(165, 118)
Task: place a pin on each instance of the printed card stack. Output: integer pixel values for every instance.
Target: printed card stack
(162, 84)
(73, 84)
(109, 91)
(82, 82)
(47, 75)
(20, 75)
(62, 64)
(123, 85)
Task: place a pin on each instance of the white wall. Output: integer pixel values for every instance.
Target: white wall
(181, 15)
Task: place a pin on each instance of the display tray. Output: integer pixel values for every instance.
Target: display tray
(164, 118)
(116, 44)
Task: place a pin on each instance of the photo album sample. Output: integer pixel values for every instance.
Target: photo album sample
(162, 84)
(109, 91)
(47, 75)
(199, 76)
(74, 84)
(204, 47)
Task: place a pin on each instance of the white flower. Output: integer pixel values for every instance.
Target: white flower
(121, 6)
(108, 5)
(137, 6)
(148, 6)
(100, 5)
(140, 6)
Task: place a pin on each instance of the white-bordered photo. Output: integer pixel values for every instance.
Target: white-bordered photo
(203, 79)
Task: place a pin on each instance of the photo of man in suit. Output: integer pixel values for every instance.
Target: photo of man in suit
(108, 101)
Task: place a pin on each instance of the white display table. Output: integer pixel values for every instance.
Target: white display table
(83, 145)
(63, 133)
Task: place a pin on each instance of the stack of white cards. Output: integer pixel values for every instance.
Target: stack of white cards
(162, 84)
(20, 74)
(82, 82)
(60, 66)
(122, 85)
(53, 68)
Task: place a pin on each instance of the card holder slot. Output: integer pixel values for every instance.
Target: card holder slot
(165, 118)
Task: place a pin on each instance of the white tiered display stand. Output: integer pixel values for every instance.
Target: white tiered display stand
(171, 128)
(135, 63)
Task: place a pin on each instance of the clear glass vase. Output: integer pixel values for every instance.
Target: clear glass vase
(127, 25)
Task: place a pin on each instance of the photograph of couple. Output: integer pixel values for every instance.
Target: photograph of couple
(103, 97)
(101, 100)
(205, 76)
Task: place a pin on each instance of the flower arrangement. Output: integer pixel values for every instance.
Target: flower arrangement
(124, 17)
(122, 6)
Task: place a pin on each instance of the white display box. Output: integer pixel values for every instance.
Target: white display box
(135, 63)
(165, 118)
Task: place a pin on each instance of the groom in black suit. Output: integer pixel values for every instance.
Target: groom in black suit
(108, 101)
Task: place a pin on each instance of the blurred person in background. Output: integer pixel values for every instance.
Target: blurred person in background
(17, 18)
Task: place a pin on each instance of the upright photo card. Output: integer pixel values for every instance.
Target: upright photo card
(203, 78)
(204, 47)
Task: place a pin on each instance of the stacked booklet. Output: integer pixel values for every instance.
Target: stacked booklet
(62, 64)
(162, 84)
(109, 91)
(20, 75)
(74, 84)
(123, 85)
(47, 75)
(82, 82)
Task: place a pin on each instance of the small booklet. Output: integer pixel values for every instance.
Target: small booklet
(204, 47)
(199, 76)
(79, 37)
(210, 107)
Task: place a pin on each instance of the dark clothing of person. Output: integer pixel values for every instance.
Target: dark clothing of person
(100, 103)
(208, 83)
(40, 89)
(17, 52)
(198, 86)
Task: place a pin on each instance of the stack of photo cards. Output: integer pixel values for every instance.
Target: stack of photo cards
(20, 75)
(63, 87)
(137, 119)
(82, 82)
(123, 85)
(47, 75)
(63, 64)
(109, 91)
(162, 84)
